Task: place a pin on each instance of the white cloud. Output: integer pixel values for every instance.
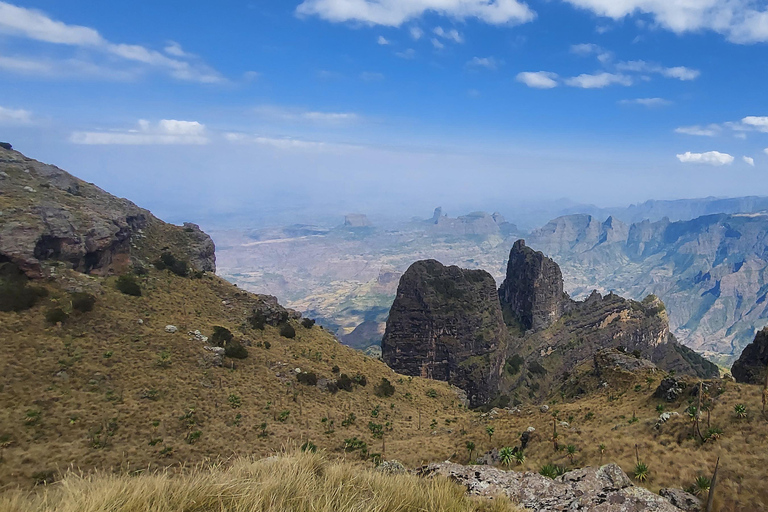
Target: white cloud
(702, 131)
(759, 123)
(452, 35)
(251, 76)
(382, 41)
(288, 143)
(396, 12)
(586, 49)
(165, 132)
(437, 44)
(640, 66)
(483, 62)
(765, 151)
(408, 54)
(416, 33)
(298, 115)
(647, 102)
(14, 116)
(598, 81)
(741, 21)
(36, 25)
(538, 79)
(710, 158)
(748, 160)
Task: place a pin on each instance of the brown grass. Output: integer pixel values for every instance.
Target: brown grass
(293, 482)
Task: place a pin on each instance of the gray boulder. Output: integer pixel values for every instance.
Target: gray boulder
(681, 499)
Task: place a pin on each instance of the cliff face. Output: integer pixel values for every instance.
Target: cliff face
(446, 324)
(532, 293)
(48, 216)
(752, 365)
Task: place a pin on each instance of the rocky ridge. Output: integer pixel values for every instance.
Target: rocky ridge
(752, 365)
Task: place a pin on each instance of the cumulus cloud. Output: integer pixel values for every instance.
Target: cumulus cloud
(702, 131)
(382, 41)
(709, 158)
(538, 79)
(36, 25)
(748, 160)
(14, 116)
(740, 21)
(483, 62)
(396, 12)
(759, 123)
(164, 132)
(598, 81)
(585, 49)
(647, 102)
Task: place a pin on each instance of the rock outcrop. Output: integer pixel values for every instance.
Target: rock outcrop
(532, 294)
(446, 324)
(604, 489)
(51, 216)
(472, 224)
(752, 365)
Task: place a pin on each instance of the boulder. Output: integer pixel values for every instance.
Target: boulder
(681, 499)
(171, 329)
(669, 389)
(391, 467)
(603, 489)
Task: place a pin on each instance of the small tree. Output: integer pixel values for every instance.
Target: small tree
(571, 451)
(602, 451)
(287, 331)
(489, 430)
(470, 448)
(506, 455)
(127, 284)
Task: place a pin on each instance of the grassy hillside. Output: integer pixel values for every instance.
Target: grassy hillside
(111, 388)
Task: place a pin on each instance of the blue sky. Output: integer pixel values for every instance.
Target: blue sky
(390, 106)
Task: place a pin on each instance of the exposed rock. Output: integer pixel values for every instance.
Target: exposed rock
(665, 417)
(532, 293)
(6, 145)
(751, 366)
(391, 467)
(611, 360)
(71, 221)
(544, 408)
(171, 329)
(681, 499)
(669, 389)
(604, 489)
(446, 324)
(472, 224)
(356, 220)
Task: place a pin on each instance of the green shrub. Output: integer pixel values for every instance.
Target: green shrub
(267, 345)
(307, 323)
(128, 285)
(360, 380)
(431, 393)
(384, 388)
(192, 437)
(307, 378)
(287, 331)
(56, 315)
(309, 446)
(513, 364)
(83, 302)
(234, 401)
(221, 335)
(235, 350)
(15, 294)
(168, 261)
(257, 320)
(335, 369)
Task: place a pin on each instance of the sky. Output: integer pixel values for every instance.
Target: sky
(291, 110)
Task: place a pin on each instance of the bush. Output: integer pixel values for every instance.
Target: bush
(128, 285)
(56, 315)
(287, 331)
(15, 294)
(267, 345)
(360, 380)
(83, 302)
(168, 261)
(384, 388)
(344, 382)
(307, 323)
(307, 378)
(335, 369)
(332, 387)
(257, 320)
(221, 335)
(235, 350)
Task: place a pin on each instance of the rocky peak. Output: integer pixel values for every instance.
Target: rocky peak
(752, 365)
(49, 215)
(446, 324)
(532, 294)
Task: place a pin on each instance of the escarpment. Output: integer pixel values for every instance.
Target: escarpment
(446, 324)
(752, 365)
(51, 217)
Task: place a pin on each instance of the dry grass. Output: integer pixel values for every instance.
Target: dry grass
(110, 362)
(292, 482)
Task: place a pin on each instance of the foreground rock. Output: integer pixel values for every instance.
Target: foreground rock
(751, 366)
(446, 324)
(604, 489)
